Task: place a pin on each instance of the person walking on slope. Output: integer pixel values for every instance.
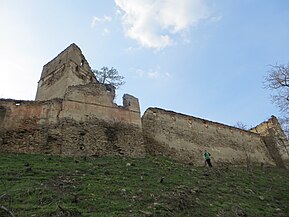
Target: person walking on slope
(207, 156)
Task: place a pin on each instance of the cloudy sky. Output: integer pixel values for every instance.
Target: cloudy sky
(205, 58)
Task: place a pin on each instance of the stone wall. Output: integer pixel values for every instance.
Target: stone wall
(55, 127)
(73, 114)
(275, 140)
(67, 69)
(68, 137)
(76, 115)
(185, 138)
(20, 113)
(82, 102)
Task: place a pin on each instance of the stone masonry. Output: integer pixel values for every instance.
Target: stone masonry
(275, 140)
(69, 68)
(185, 138)
(73, 114)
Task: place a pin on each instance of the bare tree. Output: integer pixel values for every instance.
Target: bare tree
(277, 80)
(109, 76)
(241, 125)
(284, 121)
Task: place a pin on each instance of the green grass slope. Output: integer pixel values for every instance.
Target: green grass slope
(52, 186)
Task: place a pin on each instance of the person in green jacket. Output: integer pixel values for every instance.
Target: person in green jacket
(207, 156)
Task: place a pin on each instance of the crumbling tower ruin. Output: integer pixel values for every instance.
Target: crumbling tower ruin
(69, 68)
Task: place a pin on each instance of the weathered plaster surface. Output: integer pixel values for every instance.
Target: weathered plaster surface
(185, 138)
(41, 127)
(275, 140)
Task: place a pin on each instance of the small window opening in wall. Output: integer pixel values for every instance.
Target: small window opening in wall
(82, 62)
(108, 89)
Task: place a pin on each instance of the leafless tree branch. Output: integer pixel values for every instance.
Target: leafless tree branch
(277, 80)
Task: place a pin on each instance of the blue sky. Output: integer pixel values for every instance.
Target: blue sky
(199, 57)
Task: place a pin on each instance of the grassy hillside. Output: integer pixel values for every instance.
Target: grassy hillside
(40, 185)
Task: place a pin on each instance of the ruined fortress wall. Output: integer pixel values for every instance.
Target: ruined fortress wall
(20, 113)
(185, 138)
(275, 140)
(24, 125)
(100, 138)
(95, 100)
(44, 127)
(76, 115)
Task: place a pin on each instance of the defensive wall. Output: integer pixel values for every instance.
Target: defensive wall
(275, 140)
(185, 138)
(74, 114)
(52, 127)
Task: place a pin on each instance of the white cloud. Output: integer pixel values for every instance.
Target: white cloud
(107, 18)
(132, 49)
(216, 19)
(96, 20)
(106, 31)
(152, 23)
(152, 74)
